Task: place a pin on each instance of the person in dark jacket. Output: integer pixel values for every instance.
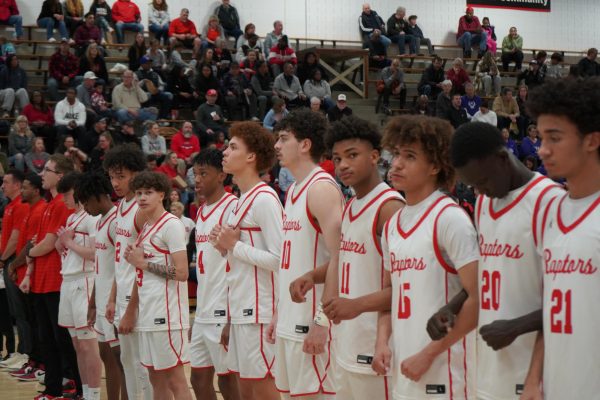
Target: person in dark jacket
(416, 31)
(102, 16)
(377, 52)
(531, 77)
(86, 34)
(238, 94)
(178, 83)
(262, 85)
(397, 31)
(370, 22)
(588, 66)
(457, 115)
(13, 85)
(311, 61)
(229, 19)
(423, 107)
(136, 51)
(432, 78)
(444, 100)
(340, 110)
(52, 16)
(93, 61)
(204, 81)
(210, 120)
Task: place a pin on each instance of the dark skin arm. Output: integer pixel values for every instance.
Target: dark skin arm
(442, 321)
(19, 260)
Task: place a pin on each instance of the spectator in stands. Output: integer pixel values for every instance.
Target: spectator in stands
(136, 51)
(554, 70)
(158, 57)
(507, 110)
(253, 45)
(280, 54)
(90, 139)
(531, 143)
(414, 30)
(532, 76)
(377, 52)
(319, 88)
(315, 104)
(52, 16)
(512, 50)
(458, 75)
(210, 120)
(175, 58)
(70, 115)
(99, 103)
(444, 101)
(184, 30)
(370, 22)
(470, 102)
(205, 81)
(62, 67)
(127, 134)
(93, 61)
(238, 94)
(262, 85)
(19, 142)
(178, 84)
(73, 15)
(524, 119)
(154, 87)
(273, 37)
(491, 34)
(126, 15)
(398, 32)
(249, 65)
(103, 18)
(222, 57)
(212, 31)
(244, 40)
(305, 68)
(86, 34)
(588, 66)
(68, 149)
(340, 110)
(393, 78)
(9, 15)
(277, 112)
(287, 86)
(41, 119)
(470, 32)
(153, 142)
(36, 158)
(422, 106)
(487, 73)
(127, 98)
(158, 20)
(229, 18)
(13, 86)
(6, 49)
(510, 144)
(431, 79)
(185, 144)
(485, 114)
(84, 95)
(457, 115)
(541, 57)
(96, 156)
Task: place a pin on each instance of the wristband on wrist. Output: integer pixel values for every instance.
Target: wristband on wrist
(320, 317)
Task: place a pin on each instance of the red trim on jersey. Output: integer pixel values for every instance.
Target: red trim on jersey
(225, 209)
(273, 292)
(497, 214)
(225, 197)
(316, 176)
(313, 221)
(451, 392)
(347, 206)
(385, 388)
(249, 196)
(436, 247)
(106, 221)
(369, 204)
(465, 365)
(546, 211)
(262, 352)
(536, 210)
(120, 209)
(478, 207)
(243, 214)
(420, 221)
(165, 369)
(76, 221)
(376, 220)
(255, 229)
(142, 238)
(314, 291)
(256, 305)
(568, 228)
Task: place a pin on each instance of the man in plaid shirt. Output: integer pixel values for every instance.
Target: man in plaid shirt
(63, 67)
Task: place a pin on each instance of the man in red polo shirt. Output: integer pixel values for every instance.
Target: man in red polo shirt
(185, 144)
(184, 30)
(43, 279)
(14, 212)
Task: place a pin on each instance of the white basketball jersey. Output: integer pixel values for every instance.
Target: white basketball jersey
(84, 226)
(252, 290)
(361, 273)
(422, 282)
(211, 267)
(126, 233)
(571, 259)
(303, 250)
(163, 302)
(105, 258)
(510, 281)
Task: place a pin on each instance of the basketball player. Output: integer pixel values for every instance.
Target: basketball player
(207, 353)
(252, 240)
(430, 251)
(123, 163)
(93, 191)
(356, 147)
(159, 256)
(568, 119)
(507, 216)
(311, 234)
(76, 244)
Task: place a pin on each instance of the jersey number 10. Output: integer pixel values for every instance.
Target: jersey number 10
(286, 254)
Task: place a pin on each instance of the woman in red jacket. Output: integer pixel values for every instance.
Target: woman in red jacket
(458, 75)
(41, 119)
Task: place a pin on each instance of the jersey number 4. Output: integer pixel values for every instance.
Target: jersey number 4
(560, 312)
(490, 290)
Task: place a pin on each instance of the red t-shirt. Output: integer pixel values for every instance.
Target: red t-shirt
(29, 227)
(46, 276)
(185, 147)
(328, 166)
(178, 27)
(14, 213)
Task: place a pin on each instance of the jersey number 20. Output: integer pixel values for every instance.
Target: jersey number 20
(490, 290)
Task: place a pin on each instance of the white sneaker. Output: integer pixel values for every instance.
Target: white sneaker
(15, 360)
(52, 40)
(40, 374)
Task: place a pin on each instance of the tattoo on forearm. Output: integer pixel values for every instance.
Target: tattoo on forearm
(165, 271)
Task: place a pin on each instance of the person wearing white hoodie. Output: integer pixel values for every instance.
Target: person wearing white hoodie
(70, 116)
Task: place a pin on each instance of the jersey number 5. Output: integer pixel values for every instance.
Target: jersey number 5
(561, 303)
(404, 302)
(490, 290)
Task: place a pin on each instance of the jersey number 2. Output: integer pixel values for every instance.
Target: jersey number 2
(490, 290)
(561, 304)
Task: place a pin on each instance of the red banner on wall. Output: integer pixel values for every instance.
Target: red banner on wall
(525, 5)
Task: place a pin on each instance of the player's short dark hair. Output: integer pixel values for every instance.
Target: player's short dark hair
(17, 175)
(474, 141)
(69, 182)
(576, 100)
(210, 157)
(125, 156)
(152, 180)
(93, 184)
(352, 127)
(307, 124)
(34, 180)
(258, 140)
(434, 136)
(412, 17)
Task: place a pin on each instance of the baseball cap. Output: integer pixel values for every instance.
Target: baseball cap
(145, 59)
(90, 75)
(211, 92)
(341, 97)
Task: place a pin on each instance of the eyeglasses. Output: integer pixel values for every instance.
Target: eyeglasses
(46, 169)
